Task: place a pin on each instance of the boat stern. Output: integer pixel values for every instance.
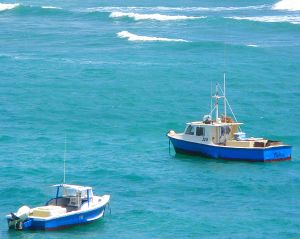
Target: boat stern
(19, 220)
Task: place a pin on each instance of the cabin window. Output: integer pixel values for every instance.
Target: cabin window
(200, 131)
(190, 130)
(67, 192)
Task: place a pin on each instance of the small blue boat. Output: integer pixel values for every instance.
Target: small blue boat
(222, 138)
(72, 205)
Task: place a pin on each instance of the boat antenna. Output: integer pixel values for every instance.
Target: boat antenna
(65, 153)
(224, 93)
(210, 97)
(217, 103)
(224, 78)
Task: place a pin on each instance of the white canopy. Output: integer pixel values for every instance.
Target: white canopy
(73, 187)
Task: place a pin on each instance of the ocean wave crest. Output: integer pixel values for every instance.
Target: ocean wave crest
(8, 6)
(290, 5)
(289, 19)
(156, 16)
(28, 9)
(51, 7)
(133, 37)
(212, 9)
(180, 9)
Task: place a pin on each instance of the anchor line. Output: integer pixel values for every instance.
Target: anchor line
(109, 208)
(169, 147)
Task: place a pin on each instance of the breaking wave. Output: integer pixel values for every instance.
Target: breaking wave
(133, 37)
(289, 19)
(8, 6)
(156, 16)
(183, 9)
(212, 9)
(139, 12)
(290, 5)
(29, 9)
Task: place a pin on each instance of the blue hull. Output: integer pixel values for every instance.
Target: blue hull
(268, 154)
(65, 221)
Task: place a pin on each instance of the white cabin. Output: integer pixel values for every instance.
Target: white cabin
(210, 132)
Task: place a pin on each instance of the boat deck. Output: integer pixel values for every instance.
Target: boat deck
(47, 211)
(252, 143)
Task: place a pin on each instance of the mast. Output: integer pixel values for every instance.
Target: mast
(211, 97)
(224, 83)
(65, 152)
(217, 103)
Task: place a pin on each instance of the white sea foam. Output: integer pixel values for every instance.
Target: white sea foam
(111, 9)
(51, 7)
(217, 9)
(156, 16)
(290, 5)
(133, 37)
(166, 9)
(252, 45)
(289, 19)
(8, 6)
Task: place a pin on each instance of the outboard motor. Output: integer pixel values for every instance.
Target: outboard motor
(15, 220)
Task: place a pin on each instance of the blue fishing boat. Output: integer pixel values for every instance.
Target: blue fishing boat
(72, 205)
(222, 137)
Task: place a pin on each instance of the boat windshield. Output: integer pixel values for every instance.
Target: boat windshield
(190, 130)
(70, 192)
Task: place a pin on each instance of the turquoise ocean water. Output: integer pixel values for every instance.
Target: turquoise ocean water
(114, 77)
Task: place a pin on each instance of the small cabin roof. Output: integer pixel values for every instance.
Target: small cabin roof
(73, 187)
(212, 124)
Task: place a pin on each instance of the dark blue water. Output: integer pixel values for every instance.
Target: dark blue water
(114, 77)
